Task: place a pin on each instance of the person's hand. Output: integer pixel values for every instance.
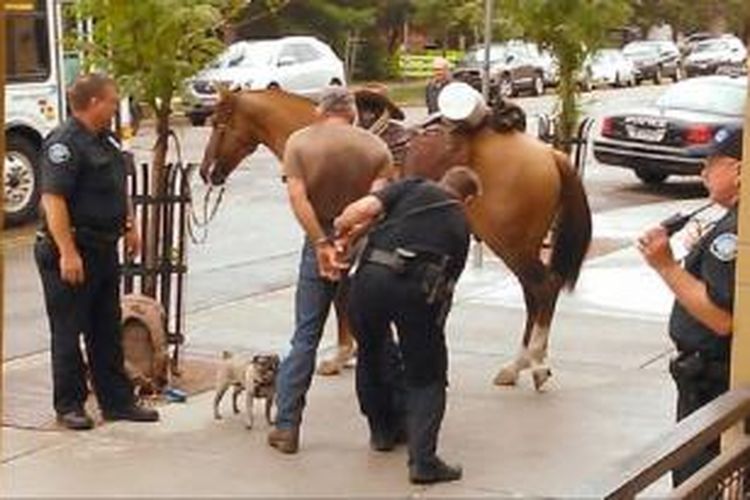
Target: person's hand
(693, 233)
(655, 248)
(132, 242)
(71, 268)
(330, 263)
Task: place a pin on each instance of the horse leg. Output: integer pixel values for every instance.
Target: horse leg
(346, 349)
(539, 341)
(508, 374)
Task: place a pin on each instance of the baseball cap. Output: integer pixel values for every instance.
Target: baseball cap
(336, 99)
(727, 141)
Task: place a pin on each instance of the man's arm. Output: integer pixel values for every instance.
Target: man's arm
(358, 216)
(688, 290)
(303, 209)
(58, 224)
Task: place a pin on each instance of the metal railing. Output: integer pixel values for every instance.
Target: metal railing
(725, 477)
(166, 274)
(547, 131)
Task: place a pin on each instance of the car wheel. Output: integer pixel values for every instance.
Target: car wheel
(650, 177)
(197, 120)
(505, 87)
(657, 76)
(538, 85)
(677, 74)
(618, 81)
(273, 86)
(335, 82)
(21, 176)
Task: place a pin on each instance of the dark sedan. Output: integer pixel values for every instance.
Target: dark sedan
(667, 138)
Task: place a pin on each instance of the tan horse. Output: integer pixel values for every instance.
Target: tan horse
(526, 187)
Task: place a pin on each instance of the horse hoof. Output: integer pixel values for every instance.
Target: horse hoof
(541, 376)
(506, 377)
(329, 367)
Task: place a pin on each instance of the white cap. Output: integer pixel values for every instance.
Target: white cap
(459, 101)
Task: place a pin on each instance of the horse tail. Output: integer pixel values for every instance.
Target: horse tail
(573, 225)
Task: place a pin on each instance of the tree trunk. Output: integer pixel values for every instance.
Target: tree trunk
(568, 118)
(158, 187)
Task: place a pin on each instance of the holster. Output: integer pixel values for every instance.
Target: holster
(692, 367)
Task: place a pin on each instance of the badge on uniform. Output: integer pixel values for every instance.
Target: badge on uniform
(724, 247)
(58, 153)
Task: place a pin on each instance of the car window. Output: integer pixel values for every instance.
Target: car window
(709, 45)
(712, 97)
(304, 52)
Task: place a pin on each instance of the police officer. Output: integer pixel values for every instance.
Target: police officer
(701, 321)
(405, 276)
(86, 211)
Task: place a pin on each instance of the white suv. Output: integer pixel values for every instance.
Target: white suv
(300, 64)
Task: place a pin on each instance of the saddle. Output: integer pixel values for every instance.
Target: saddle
(433, 146)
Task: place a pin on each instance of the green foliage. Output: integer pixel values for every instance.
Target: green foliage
(446, 19)
(152, 46)
(701, 15)
(571, 30)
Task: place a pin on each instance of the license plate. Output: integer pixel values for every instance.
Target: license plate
(645, 134)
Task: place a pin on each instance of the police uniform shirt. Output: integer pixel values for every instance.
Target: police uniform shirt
(439, 230)
(712, 261)
(88, 170)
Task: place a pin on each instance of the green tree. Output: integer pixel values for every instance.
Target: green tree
(701, 15)
(150, 47)
(571, 30)
(446, 20)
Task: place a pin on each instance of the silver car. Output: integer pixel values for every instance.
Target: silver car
(300, 64)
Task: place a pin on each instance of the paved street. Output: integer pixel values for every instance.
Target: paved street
(609, 397)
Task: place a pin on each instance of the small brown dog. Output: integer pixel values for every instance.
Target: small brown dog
(257, 377)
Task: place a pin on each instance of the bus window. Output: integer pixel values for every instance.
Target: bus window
(27, 36)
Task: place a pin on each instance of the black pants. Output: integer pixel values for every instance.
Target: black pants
(380, 298)
(91, 309)
(698, 383)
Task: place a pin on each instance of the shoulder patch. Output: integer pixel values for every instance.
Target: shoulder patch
(58, 153)
(724, 247)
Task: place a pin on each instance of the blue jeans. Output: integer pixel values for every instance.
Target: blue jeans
(312, 303)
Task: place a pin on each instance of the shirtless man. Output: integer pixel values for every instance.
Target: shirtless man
(326, 166)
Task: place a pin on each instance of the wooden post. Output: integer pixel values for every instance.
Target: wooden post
(740, 371)
(2, 190)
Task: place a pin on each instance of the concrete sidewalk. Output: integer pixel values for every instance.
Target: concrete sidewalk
(609, 397)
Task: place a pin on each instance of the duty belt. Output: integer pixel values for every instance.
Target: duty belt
(86, 236)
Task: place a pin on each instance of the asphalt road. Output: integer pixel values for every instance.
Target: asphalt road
(253, 242)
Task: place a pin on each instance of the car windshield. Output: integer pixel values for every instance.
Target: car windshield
(709, 97)
(477, 55)
(710, 45)
(253, 54)
(640, 50)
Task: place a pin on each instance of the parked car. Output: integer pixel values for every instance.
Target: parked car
(669, 137)
(688, 44)
(607, 67)
(522, 69)
(299, 64)
(654, 60)
(710, 55)
(469, 68)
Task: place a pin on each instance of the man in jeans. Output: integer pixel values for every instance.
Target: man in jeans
(327, 165)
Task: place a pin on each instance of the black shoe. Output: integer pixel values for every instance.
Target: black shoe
(382, 441)
(77, 420)
(132, 413)
(436, 471)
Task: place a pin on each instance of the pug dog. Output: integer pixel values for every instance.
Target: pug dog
(257, 377)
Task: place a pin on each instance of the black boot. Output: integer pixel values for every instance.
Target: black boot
(425, 410)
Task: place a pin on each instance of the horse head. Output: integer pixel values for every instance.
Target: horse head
(243, 120)
(231, 140)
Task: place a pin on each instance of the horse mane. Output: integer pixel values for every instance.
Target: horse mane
(507, 117)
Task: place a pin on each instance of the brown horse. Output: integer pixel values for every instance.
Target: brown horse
(526, 187)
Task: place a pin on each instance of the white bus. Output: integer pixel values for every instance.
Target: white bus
(34, 98)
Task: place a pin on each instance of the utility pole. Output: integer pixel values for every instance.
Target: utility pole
(478, 245)
(487, 43)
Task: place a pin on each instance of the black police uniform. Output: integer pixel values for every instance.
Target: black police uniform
(405, 278)
(701, 368)
(89, 171)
